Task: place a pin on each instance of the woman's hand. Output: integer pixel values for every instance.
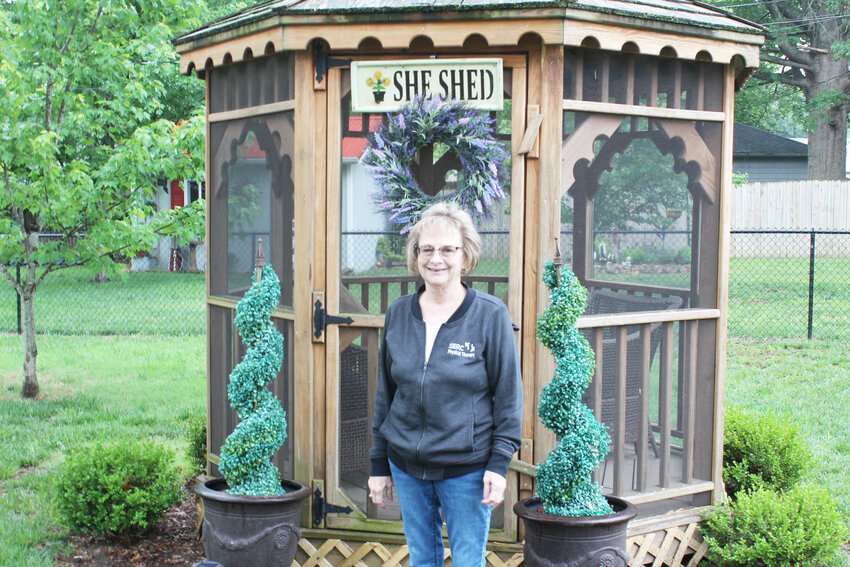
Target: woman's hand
(381, 487)
(494, 488)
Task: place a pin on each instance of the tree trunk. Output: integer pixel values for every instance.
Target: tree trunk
(828, 145)
(30, 388)
(193, 255)
(28, 287)
(828, 81)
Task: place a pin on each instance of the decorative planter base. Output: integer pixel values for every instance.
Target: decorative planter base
(249, 531)
(584, 541)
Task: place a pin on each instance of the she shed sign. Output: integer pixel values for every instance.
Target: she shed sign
(386, 86)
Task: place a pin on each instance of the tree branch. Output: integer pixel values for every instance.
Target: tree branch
(792, 53)
(12, 280)
(792, 80)
(70, 35)
(16, 211)
(47, 270)
(785, 62)
(97, 16)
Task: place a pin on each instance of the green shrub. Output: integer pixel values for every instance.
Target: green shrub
(637, 255)
(683, 255)
(762, 452)
(195, 432)
(761, 528)
(118, 489)
(391, 250)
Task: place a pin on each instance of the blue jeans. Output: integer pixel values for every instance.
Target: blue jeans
(467, 519)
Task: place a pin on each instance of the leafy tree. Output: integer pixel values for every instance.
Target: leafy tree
(806, 48)
(80, 143)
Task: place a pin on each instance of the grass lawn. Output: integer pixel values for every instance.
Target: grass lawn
(68, 302)
(92, 387)
(112, 387)
(806, 383)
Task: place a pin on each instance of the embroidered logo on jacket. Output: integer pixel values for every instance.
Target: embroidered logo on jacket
(464, 350)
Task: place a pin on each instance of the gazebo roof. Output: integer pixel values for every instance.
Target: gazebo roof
(675, 11)
(682, 28)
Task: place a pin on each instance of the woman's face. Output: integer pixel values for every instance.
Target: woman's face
(440, 258)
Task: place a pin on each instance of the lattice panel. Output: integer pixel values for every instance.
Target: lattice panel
(315, 552)
(674, 546)
(662, 543)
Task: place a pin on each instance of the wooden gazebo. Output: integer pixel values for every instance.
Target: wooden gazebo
(616, 114)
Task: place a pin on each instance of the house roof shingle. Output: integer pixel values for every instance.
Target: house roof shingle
(752, 142)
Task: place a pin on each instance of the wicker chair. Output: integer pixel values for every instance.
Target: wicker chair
(604, 301)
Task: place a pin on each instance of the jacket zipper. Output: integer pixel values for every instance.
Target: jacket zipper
(421, 412)
(422, 399)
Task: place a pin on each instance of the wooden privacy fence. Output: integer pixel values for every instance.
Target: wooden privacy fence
(790, 205)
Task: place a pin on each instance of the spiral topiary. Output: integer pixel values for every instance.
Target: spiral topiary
(563, 480)
(245, 460)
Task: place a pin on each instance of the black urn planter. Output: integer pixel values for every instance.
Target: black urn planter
(249, 531)
(575, 541)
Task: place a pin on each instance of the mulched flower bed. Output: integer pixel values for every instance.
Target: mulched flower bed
(172, 541)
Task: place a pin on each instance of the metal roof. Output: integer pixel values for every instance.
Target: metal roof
(689, 13)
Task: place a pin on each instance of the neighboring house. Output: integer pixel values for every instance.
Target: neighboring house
(166, 255)
(768, 157)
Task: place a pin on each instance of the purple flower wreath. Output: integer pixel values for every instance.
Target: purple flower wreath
(467, 132)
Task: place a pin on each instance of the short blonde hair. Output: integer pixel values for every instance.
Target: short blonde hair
(446, 214)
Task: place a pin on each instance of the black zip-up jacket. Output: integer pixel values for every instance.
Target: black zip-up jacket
(459, 411)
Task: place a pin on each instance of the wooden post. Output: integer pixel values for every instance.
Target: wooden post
(259, 261)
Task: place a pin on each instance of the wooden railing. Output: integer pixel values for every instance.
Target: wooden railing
(390, 288)
(640, 289)
(634, 335)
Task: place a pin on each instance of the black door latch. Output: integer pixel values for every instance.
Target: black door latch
(321, 319)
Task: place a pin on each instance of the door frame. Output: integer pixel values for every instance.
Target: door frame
(358, 520)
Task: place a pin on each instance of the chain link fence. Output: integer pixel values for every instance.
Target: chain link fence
(782, 284)
(789, 284)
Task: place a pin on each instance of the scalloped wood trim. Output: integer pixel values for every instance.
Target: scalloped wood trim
(453, 34)
(651, 42)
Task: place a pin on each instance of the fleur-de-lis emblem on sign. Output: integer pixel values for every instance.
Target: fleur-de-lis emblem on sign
(378, 83)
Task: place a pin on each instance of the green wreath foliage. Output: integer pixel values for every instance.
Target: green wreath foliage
(563, 480)
(467, 132)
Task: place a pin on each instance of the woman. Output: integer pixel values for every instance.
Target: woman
(448, 411)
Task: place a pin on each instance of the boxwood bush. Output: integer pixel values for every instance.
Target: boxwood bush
(763, 528)
(195, 432)
(118, 489)
(762, 452)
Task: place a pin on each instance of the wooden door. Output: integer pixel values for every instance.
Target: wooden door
(366, 271)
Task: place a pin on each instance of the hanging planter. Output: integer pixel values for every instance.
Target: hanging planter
(570, 523)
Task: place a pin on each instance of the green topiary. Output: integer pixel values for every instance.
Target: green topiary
(761, 528)
(761, 451)
(245, 460)
(119, 489)
(563, 480)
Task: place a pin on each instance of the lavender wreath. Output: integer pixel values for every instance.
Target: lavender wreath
(467, 132)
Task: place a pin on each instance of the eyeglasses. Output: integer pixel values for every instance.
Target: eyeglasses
(446, 252)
